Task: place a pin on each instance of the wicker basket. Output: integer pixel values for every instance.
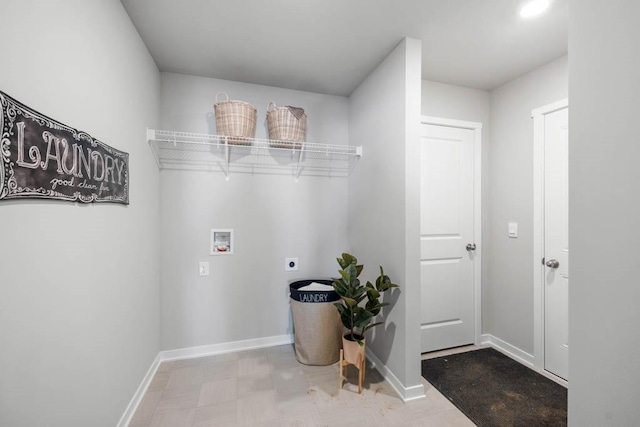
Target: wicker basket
(285, 129)
(235, 119)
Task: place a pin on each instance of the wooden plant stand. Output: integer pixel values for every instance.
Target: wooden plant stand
(360, 365)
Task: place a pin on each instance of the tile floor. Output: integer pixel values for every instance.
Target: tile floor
(268, 387)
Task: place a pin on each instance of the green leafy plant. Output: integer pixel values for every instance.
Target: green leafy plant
(356, 315)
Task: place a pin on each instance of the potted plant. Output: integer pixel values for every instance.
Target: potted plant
(357, 315)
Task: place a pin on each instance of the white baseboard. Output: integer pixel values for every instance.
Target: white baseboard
(521, 356)
(512, 351)
(227, 347)
(194, 352)
(407, 394)
(139, 394)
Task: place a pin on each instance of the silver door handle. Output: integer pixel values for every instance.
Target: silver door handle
(552, 263)
(471, 247)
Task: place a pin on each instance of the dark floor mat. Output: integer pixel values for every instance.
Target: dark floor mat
(495, 390)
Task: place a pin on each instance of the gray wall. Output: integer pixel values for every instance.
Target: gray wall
(246, 295)
(508, 268)
(79, 306)
(455, 102)
(604, 207)
(384, 116)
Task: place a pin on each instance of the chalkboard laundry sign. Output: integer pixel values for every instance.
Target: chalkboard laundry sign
(45, 159)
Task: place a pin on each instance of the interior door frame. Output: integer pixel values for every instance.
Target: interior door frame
(538, 115)
(476, 127)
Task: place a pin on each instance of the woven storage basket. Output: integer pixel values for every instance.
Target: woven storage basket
(285, 129)
(235, 119)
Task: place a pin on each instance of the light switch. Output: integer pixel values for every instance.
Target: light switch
(513, 230)
(203, 268)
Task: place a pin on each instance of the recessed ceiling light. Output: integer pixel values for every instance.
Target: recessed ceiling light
(533, 8)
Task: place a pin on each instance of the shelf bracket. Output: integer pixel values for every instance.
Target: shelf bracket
(299, 165)
(355, 159)
(155, 150)
(227, 157)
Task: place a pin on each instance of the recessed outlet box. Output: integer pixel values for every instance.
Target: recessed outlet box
(203, 268)
(291, 264)
(222, 241)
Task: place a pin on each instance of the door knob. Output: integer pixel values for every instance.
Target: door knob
(471, 247)
(552, 263)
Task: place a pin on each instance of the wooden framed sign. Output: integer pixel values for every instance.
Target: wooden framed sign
(45, 159)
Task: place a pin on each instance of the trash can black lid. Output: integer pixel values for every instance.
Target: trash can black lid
(313, 296)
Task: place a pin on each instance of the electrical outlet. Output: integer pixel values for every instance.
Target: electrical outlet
(291, 264)
(203, 268)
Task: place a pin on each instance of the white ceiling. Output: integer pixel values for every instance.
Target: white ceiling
(330, 46)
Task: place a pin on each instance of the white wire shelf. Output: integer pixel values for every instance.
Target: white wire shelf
(193, 151)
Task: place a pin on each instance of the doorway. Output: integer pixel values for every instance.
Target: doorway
(551, 245)
(450, 233)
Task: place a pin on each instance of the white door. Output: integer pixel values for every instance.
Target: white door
(447, 235)
(556, 243)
